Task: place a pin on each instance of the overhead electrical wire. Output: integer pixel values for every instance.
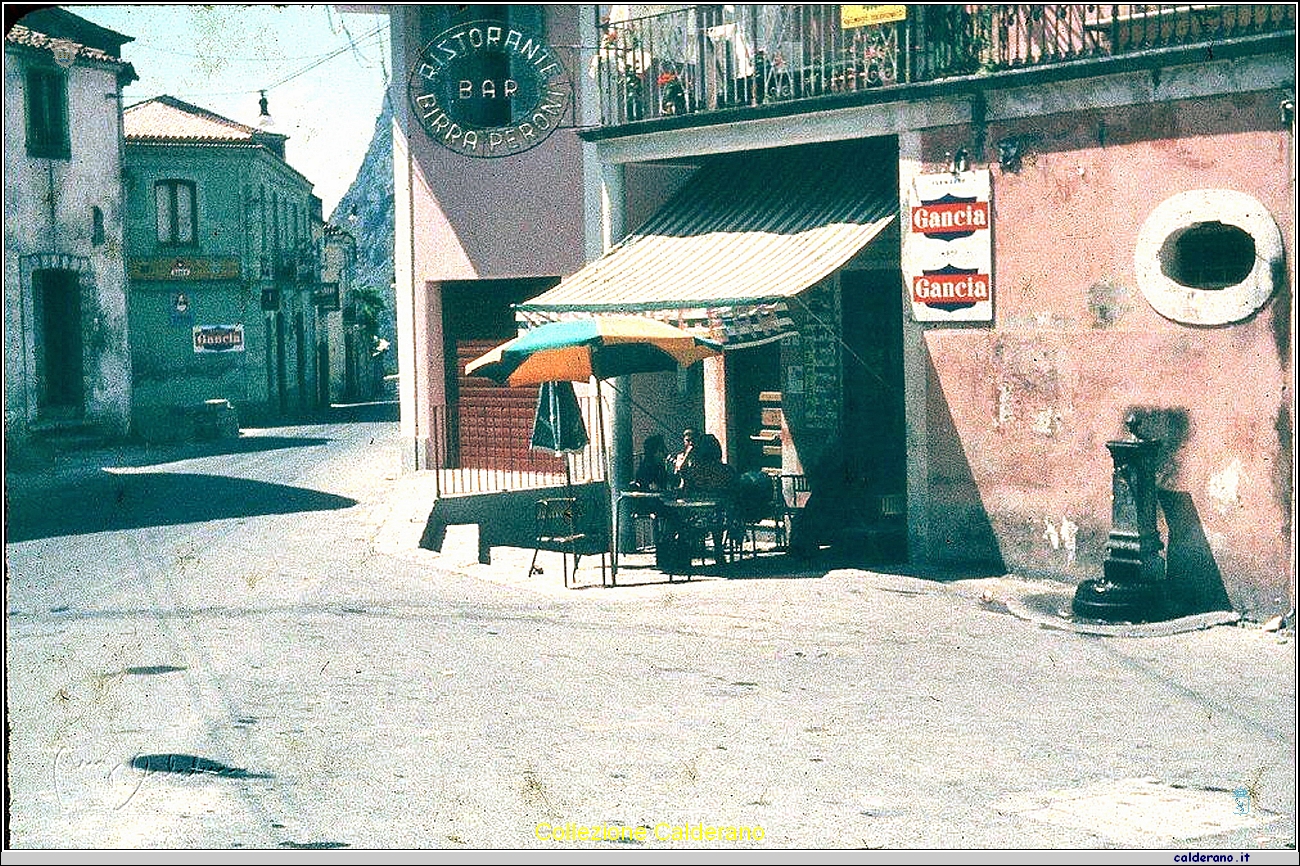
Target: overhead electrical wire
(141, 44)
(326, 58)
(366, 40)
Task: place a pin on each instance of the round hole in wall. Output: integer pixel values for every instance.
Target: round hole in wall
(1208, 257)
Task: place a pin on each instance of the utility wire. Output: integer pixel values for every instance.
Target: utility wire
(261, 59)
(326, 58)
(367, 39)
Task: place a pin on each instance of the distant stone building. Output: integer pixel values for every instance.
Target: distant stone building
(345, 349)
(67, 361)
(224, 269)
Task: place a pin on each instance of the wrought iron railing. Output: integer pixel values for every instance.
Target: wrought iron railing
(708, 58)
(479, 449)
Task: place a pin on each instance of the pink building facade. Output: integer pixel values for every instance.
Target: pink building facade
(1077, 345)
(1140, 262)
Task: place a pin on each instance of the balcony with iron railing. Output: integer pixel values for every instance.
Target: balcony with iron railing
(299, 266)
(698, 60)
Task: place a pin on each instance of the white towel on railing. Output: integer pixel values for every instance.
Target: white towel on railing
(742, 55)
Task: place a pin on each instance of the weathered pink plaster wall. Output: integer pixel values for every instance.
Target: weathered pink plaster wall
(506, 217)
(1019, 413)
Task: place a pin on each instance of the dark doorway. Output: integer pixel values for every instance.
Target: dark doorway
(873, 378)
(300, 357)
(751, 372)
(349, 367)
(59, 360)
(270, 362)
(281, 365)
(322, 368)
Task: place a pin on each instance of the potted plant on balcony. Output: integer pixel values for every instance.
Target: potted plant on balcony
(632, 96)
(672, 95)
(624, 63)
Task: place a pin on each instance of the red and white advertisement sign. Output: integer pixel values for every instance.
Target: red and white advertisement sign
(948, 247)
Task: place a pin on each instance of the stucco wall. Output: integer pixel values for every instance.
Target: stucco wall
(235, 190)
(48, 206)
(497, 218)
(464, 218)
(1018, 413)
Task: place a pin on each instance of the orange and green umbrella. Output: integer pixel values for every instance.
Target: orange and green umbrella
(601, 346)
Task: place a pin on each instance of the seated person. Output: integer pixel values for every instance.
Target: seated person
(705, 475)
(838, 482)
(652, 474)
(682, 459)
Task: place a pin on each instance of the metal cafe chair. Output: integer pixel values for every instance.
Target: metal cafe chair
(559, 525)
(794, 491)
(639, 508)
(756, 507)
(694, 530)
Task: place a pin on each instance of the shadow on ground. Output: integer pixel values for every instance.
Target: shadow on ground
(378, 412)
(353, 413)
(109, 501)
(639, 569)
(151, 455)
(191, 765)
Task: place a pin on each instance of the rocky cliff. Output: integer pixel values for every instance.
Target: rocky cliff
(366, 212)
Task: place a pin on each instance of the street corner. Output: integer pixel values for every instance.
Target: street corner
(1051, 607)
(1146, 812)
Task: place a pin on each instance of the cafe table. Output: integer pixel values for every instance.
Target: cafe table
(697, 515)
(649, 500)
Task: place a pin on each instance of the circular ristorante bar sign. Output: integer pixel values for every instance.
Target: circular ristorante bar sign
(488, 89)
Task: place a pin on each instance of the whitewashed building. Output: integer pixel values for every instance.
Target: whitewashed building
(67, 358)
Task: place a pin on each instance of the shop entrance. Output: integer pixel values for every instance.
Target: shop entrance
(488, 426)
(873, 381)
(751, 374)
(59, 351)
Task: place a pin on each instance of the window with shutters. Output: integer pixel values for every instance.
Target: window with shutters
(176, 212)
(47, 114)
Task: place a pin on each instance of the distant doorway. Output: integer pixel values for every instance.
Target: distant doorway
(300, 359)
(281, 366)
(751, 373)
(873, 377)
(59, 355)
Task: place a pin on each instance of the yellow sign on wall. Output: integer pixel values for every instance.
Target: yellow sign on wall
(861, 16)
(184, 268)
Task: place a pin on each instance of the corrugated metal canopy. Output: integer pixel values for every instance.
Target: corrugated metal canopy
(745, 233)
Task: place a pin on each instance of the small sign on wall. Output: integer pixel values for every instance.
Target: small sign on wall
(184, 268)
(182, 314)
(218, 338)
(852, 16)
(948, 247)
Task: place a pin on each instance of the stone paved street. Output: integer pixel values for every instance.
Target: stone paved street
(247, 650)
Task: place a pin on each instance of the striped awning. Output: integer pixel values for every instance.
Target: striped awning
(746, 234)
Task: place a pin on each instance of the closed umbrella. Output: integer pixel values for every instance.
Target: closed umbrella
(558, 426)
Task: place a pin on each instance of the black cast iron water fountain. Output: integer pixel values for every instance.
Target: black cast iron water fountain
(1133, 585)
